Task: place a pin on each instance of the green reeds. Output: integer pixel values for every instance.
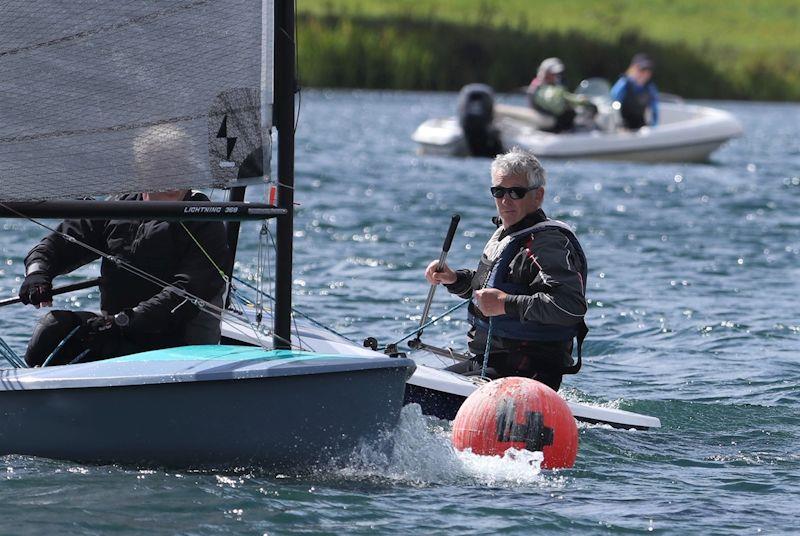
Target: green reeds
(370, 45)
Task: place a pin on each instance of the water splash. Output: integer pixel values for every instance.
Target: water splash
(419, 452)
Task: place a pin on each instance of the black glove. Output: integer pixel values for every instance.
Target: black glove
(37, 288)
(100, 331)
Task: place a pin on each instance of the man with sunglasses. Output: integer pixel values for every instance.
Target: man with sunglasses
(529, 288)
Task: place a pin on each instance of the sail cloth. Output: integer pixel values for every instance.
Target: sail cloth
(106, 96)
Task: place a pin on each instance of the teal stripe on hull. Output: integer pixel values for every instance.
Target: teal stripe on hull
(225, 353)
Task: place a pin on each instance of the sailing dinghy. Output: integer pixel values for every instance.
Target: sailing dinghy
(439, 392)
(102, 97)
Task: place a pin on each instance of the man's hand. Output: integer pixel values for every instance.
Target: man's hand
(37, 290)
(98, 330)
(491, 301)
(446, 275)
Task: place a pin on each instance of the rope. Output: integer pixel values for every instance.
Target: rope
(202, 249)
(304, 315)
(9, 355)
(428, 323)
(61, 345)
(488, 347)
(205, 306)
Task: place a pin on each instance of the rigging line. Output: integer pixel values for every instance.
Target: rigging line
(261, 287)
(9, 355)
(298, 89)
(488, 347)
(284, 185)
(235, 322)
(431, 321)
(297, 331)
(304, 315)
(202, 304)
(259, 303)
(202, 249)
(119, 262)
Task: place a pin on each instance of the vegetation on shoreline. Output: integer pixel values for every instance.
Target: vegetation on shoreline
(704, 49)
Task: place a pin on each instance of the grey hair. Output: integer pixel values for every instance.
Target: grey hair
(518, 161)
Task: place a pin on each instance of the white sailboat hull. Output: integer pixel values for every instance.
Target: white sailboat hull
(439, 392)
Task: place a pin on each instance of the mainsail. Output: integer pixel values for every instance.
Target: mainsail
(104, 97)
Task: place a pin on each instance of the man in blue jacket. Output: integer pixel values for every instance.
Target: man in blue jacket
(636, 92)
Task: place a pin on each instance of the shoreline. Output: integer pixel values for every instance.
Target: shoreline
(404, 53)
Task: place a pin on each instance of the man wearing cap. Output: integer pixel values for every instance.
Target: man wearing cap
(528, 291)
(636, 92)
(547, 95)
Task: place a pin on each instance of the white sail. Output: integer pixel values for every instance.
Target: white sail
(103, 97)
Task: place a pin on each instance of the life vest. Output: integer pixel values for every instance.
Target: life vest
(635, 103)
(534, 100)
(492, 273)
(561, 121)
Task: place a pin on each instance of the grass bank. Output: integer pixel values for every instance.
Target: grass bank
(704, 49)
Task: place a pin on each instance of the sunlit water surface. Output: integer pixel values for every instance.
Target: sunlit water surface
(694, 277)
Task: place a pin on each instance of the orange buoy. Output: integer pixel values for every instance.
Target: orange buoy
(517, 413)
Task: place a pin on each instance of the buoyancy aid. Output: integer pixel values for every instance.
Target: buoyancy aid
(492, 272)
(633, 106)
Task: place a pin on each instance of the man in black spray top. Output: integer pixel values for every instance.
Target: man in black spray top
(529, 288)
(138, 313)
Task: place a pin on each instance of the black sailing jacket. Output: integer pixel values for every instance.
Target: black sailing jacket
(550, 270)
(162, 249)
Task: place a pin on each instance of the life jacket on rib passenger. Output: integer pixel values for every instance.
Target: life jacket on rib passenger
(634, 105)
(492, 273)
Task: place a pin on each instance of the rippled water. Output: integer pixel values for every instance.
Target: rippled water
(694, 277)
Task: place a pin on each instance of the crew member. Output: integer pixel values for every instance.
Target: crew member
(181, 264)
(636, 93)
(529, 288)
(548, 96)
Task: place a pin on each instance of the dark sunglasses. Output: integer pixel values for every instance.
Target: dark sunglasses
(515, 192)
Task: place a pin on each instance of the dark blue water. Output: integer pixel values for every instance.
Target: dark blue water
(694, 278)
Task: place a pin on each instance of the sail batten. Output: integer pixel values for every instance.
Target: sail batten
(108, 97)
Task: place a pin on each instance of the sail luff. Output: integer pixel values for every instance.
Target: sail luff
(267, 79)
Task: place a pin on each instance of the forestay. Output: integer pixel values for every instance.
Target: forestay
(102, 96)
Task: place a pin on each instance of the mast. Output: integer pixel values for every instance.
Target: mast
(284, 118)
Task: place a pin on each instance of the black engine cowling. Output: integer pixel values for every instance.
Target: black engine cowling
(476, 117)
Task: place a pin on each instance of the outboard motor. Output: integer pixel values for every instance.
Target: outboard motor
(476, 116)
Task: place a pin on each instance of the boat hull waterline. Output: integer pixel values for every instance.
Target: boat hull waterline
(202, 407)
(439, 392)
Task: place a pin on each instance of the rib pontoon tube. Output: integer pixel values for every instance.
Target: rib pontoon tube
(686, 133)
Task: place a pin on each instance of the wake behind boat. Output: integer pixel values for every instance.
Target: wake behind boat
(685, 133)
